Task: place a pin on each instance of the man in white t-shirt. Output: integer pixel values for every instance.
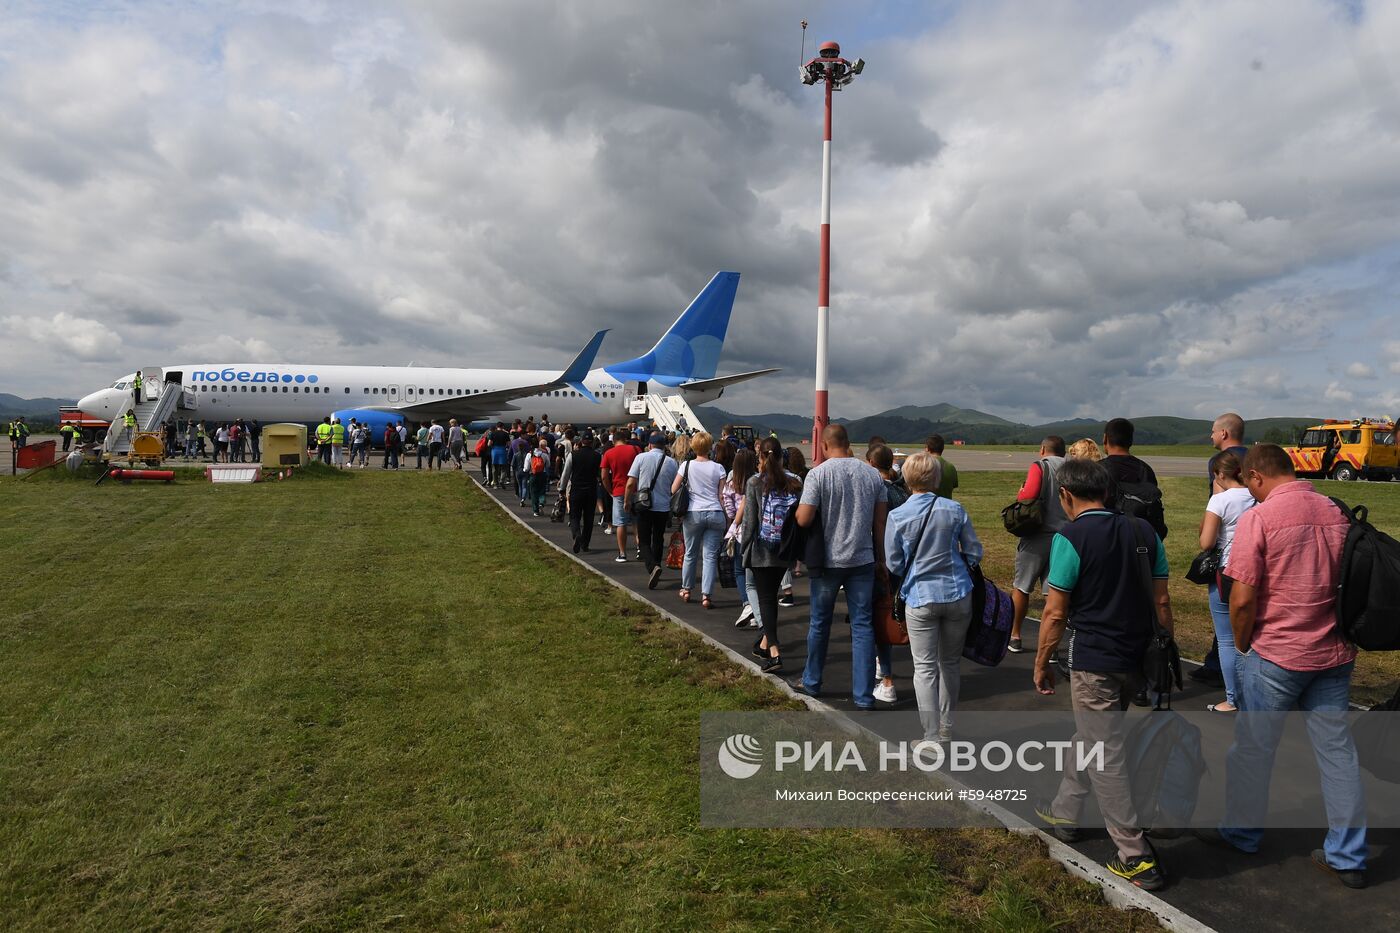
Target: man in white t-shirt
(848, 497)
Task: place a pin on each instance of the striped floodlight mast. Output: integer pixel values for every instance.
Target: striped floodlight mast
(835, 72)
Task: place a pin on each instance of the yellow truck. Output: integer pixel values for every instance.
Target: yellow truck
(1347, 450)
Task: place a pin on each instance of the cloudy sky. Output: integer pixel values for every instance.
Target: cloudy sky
(1040, 209)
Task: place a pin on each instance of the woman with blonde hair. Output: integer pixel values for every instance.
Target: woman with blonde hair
(704, 522)
(929, 542)
(1084, 449)
(680, 449)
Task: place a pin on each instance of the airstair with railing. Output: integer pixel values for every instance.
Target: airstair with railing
(160, 401)
(671, 413)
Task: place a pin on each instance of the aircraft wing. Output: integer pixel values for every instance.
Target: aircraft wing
(486, 403)
(720, 382)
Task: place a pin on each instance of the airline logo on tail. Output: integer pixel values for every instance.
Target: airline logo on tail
(690, 350)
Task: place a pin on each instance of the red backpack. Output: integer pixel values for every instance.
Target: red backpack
(538, 462)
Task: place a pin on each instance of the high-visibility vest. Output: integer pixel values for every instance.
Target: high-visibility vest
(136, 381)
(129, 420)
(21, 429)
(323, 433)
(337, 434)
(13, 431)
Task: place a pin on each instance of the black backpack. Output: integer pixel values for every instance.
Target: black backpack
(1368, 593)
(1165, 765)
(1142, 498)
(1378, 739)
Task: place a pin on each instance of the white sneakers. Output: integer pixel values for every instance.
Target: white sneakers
(746, 619)
(884, 692)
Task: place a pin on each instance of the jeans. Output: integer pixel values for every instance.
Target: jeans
(1268, 689)
(936, 635)
(740, 580)
(391, 458)
(763, 584)
(1225, 643)
(581, 502)
(539, 482)
(860, 591)
(704, 533)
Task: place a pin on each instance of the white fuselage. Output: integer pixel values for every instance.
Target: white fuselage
(308, 393)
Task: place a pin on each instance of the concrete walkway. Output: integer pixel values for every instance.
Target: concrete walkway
(1276, 889)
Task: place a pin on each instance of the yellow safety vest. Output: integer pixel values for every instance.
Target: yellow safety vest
(323, 433)
(129, 420)
(337, 434)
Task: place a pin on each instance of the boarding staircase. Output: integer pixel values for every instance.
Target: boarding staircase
(159, 402)
(671, 413)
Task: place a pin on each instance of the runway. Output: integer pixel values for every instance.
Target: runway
(971, 461)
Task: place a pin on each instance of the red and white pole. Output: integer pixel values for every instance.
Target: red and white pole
(821, 417)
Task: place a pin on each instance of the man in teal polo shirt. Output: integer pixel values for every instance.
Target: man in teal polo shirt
(1097, 591)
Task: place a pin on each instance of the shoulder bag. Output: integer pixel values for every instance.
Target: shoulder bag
(641, 502)
(680, 499)
(1024, 519)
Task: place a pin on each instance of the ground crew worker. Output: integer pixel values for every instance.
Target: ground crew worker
(13, 434)
(324, 432)
(136, 387)
(21, 432)
(129, 422)
(69, 432)
(337, 442)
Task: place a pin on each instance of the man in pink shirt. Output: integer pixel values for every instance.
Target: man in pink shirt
(1286, 563)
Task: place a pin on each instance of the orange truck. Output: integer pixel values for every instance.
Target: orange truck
(1363, 448)
(92, 427)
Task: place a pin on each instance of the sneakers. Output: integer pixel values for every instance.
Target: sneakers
(745, 618)
(655, 576)
(787, 600)
(1014, 646)
(884, 692)
(607, 529)
(620, 559)
(1142, 871)
(1354, 878)
(1062, 829)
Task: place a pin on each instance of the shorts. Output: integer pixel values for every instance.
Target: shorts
(1032, 562)
(620, 514)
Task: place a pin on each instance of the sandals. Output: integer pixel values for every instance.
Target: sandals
(685, 595)
(705, 601)
(1215, 708)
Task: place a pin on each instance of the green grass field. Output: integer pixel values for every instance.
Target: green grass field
(376, 702)
(985, 494)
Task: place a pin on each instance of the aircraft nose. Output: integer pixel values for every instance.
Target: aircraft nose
(95, 402)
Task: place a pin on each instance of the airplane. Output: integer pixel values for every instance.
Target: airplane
(684, 361)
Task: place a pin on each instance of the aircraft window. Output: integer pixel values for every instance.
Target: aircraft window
(296, 389)
(376, 391)
(364, 391)
(223, 388)
(347, 390)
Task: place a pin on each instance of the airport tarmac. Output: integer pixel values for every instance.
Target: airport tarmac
(1276, 889)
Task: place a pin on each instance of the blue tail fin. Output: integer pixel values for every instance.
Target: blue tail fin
(691, 348)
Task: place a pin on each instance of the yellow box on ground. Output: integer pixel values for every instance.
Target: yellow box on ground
(283, 444)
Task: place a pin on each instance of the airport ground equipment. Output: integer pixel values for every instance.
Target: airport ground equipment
(127, 475)
(233, 473)
(34, 456)
(668, 410)
(1363, 448)
(163, 397)
(90, 427)
(283, 445)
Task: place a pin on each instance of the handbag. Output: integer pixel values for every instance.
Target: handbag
(641, 502)
(680, 499)
(989, 632)
(726, 568)
(675, 552)
(1205, 567)
(1161, 664)
(1024, 519)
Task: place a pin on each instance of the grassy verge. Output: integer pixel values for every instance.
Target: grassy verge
(985, 494)
(375, 702)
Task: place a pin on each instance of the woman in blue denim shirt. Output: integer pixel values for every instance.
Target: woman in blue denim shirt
(929, 541)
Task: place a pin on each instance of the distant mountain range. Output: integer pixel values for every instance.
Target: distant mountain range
(41, 408)
(909, 423)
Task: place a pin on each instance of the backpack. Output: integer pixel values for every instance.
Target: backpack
(1165, 766)
(990, 632)
(1142, 498)
(1369, 587)
(896, 494)
(774, 515)
(538, 463)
